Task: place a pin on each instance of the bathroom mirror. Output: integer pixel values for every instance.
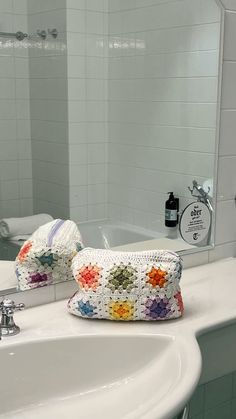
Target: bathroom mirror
(105, 108)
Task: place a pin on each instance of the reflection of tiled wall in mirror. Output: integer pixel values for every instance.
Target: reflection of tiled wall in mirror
(15, 144)
(49, 108)
(163, 79)
(87, 108)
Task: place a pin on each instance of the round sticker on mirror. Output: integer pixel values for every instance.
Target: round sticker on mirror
(195, 223)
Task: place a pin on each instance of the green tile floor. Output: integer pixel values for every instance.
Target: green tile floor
(215, 400)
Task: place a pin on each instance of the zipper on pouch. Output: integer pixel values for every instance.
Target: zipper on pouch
(54, 230)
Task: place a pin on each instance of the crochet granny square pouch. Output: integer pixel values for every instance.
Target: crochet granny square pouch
(127, 285)
(47, 256)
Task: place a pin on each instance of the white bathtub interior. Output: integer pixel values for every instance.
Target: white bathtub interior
(106, 234)
(123, 236)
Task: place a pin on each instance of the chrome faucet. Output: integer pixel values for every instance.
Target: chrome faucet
(198, 192)
(7, 324)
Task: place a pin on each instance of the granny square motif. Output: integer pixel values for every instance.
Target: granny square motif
(127, 285)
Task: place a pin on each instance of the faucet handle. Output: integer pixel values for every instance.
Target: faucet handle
(8, 306)
(19, 306)
(7, 325)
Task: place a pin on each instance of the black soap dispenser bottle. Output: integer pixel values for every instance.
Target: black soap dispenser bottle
(171, 211)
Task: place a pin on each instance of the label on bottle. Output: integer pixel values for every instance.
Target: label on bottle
(195, 223)
(171, 215)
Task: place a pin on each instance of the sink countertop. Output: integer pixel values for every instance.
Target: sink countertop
(209, 296)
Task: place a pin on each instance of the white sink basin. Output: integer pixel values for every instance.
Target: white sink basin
(85, 377)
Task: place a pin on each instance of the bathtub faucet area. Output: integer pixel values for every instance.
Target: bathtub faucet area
(197, 191)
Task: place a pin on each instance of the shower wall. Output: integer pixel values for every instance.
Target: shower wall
(15, 144)
(163, 69)
(68, 94)
(49, 108)
(87, 23)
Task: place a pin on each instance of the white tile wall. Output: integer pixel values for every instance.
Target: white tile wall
(15, 145)
(226, 178)
(226, 191)
(49, 109)
(163, 74)
(229, 4)
(87, 108)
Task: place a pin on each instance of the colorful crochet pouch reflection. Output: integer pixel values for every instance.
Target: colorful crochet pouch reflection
(47, 256)
(127, 285)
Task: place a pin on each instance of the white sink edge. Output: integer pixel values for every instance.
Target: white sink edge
(179, 395)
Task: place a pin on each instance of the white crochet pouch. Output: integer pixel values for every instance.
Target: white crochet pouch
(46, 257)
(127, 285)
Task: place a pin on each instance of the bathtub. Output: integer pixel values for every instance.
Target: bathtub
(106, 235)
